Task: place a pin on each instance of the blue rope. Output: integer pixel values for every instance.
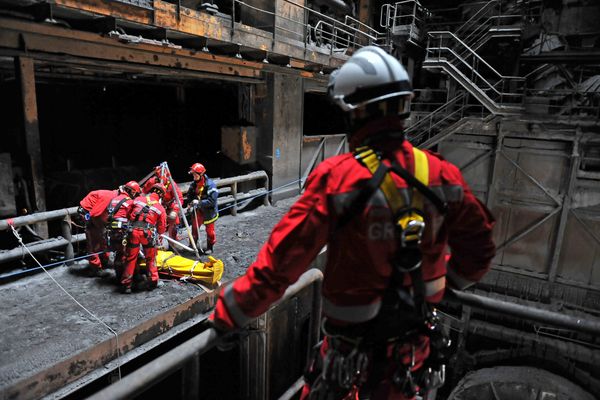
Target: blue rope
(261, 194)
(28, 270)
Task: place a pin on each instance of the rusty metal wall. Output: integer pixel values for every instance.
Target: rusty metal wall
(547, 208)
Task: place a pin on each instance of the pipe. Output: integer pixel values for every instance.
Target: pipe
(37, 247)
(175, 242)
(575, 351)
(151, 373)
(587, 325)
(36, 218)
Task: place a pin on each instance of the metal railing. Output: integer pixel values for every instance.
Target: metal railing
(320, 153)
(566, 103)
(444, 47)
(404, 17)
(315, 30)
(228, 195)
(155, 371)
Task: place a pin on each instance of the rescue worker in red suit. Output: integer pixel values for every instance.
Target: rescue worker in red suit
(119, 211)
(201, 202)
(92, 210)
(147, 221)
(374, 90)
(169, 202)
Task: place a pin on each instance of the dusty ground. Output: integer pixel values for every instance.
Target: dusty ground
(40, 325)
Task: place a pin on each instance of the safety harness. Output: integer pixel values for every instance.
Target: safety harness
(139, 219)
(112, 223)
(403, 316)
(116, 228)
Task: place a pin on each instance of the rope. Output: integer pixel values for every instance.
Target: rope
(259, 195)
(27, 270)
(72, 298)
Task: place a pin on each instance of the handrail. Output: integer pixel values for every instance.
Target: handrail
(491, 87)
(475, 17)
(435, 112)
(152, 373)
(453, 36)
(67, 239)
(342, 33)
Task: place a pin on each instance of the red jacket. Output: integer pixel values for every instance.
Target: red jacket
(358, 267)
(169, 202)
(123, 212)
(97, 201)
(155, 215)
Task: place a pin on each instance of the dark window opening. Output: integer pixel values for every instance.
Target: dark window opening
(322, 116)
(590, 157)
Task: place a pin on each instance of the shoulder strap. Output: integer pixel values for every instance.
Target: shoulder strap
(420, 180)
(113, 211)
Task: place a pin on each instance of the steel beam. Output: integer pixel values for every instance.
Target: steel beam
(564, 212)
(25, 71)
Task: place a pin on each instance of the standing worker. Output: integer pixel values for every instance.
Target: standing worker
(119, 211)
(147, 221)
(92, 210)
(387, 213)
(201, 203)
(162, 175)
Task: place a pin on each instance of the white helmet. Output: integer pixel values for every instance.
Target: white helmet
(370, 75)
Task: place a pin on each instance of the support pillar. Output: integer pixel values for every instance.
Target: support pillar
(24, 68)
(280, 118)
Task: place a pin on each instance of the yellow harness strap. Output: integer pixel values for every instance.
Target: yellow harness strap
(150, 201)
(395, 200)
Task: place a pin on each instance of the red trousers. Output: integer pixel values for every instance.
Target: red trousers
(384, 389)
(197, 221)
(95, 242)
(136, 238)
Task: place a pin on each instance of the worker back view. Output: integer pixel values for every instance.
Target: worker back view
(93, 212)
(387, 212)
(147, 221)
(117, 223)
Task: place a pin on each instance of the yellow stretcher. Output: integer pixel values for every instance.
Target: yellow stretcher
(174, 266)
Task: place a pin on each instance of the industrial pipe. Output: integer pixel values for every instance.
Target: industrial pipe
(37, 247)
(36, 218)
(579, 324)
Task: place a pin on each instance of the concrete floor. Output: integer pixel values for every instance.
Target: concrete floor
(49, 341)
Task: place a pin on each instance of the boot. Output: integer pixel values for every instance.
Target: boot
(208, 249)
(125, 289)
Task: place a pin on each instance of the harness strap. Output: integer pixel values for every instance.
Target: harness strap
(113, 210)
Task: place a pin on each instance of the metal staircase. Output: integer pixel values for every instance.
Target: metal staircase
(501, 95)
(440, 122)
(455, 53)
(490, 21)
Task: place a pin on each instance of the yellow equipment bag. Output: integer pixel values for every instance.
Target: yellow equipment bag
(174, 266)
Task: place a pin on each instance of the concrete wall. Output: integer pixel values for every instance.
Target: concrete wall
(280, 109)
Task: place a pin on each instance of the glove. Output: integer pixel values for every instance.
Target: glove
(228, 339)
(85, 214)
(172, 215)
(195, 203)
